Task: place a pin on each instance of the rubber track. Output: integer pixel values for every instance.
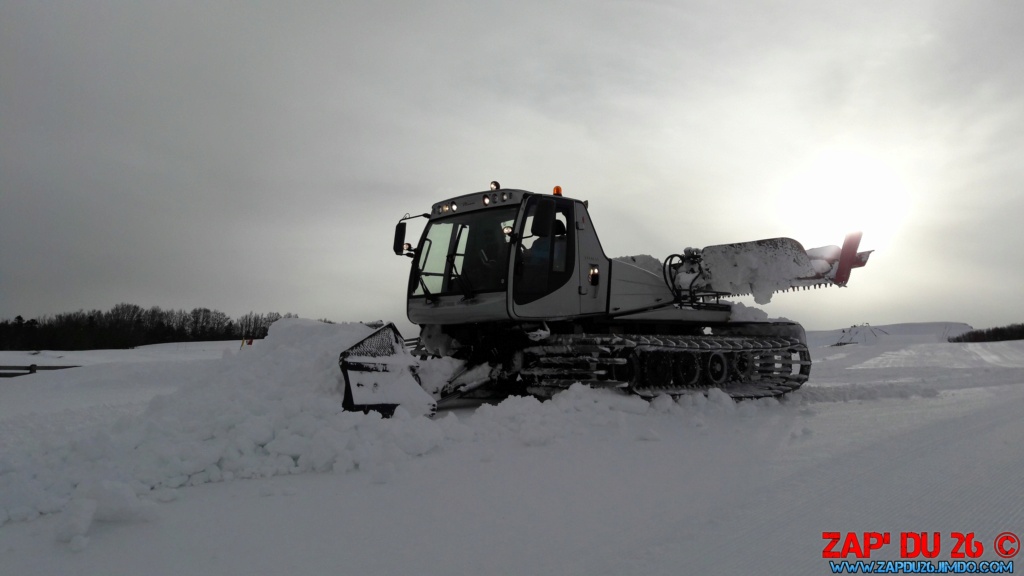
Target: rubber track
(757, 367)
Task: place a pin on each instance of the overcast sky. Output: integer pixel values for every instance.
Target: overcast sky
(255, 156)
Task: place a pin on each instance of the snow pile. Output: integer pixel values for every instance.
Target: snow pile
(742, 313)
(272, 409)
(275, 409)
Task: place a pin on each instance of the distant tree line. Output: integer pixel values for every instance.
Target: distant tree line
(1011, 332)
(129, 325)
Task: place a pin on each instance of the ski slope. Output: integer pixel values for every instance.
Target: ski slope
(228, 461)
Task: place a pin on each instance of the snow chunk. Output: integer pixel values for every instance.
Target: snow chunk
(454, 429)
(418, 436)
(76, 519)
(113, 502)
(742, 313)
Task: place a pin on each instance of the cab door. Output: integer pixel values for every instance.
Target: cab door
(545, 272)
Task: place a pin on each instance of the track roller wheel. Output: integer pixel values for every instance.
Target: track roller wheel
(657, 368)
(716, 369)
(686, 369)
(743, 365)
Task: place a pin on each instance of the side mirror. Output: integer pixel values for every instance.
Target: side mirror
(400, 239)
(543, 218)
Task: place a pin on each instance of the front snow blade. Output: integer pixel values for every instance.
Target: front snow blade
(380, 375)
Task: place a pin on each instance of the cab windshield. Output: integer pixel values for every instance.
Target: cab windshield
(465, 254)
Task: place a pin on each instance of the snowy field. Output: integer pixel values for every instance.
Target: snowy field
(207, 459)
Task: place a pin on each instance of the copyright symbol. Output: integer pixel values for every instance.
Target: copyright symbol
(1007, 545)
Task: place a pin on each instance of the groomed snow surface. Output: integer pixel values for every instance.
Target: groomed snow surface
(219, 460)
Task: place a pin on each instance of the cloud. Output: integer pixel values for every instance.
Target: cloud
(246, 156)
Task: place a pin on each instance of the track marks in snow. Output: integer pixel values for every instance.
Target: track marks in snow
(945, 355)
(953, 471)
(1003, 354)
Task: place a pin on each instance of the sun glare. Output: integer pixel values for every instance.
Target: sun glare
(841, 191)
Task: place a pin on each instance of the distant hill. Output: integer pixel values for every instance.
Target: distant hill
(868, 334)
